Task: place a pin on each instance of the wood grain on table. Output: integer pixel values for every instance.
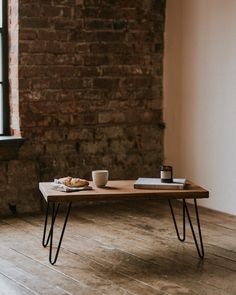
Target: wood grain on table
(119, 190)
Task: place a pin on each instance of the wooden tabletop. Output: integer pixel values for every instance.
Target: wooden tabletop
(119, 190)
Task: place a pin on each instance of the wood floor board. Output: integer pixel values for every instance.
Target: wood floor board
(93, 249)
(135, 226)
(50, 275)
(146, 287)
(90, 274)
(10, 287)
(119, 249)
(82, 271)
(144, 263)
(144, 231)
(160, 225)
(36, 284)
(150, 242)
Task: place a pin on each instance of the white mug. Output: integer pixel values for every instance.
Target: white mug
(100, 177)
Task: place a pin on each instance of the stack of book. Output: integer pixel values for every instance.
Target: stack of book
(155, 183)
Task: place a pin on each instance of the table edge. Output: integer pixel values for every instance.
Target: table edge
(201, 193)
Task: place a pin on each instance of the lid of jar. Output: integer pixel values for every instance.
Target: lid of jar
(166, 167)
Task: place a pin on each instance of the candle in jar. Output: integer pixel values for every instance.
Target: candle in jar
(166, 174)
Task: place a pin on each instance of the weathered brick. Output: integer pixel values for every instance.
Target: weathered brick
(67, 3)
(64, 59)
(52, 35)
(111, 117)
(3, 173)
(129, 14)
(98, 24)
(131, 3)
(105, 83)
(92, 3)
(137, 82)
(104, 117)
(98, 147)
(120, 24)
(110, 36)
(87, 12)
(31, 10)
(82, 48)
(33, 120)
(88, 71)
(50, 11)
(109, 13)
(63, 23)
(24, 84)
(28, 35)
(111, 47)
(123, 59)
(34, 22)
(109, 132)
(115, 71)
(72, 83)
(81, 134)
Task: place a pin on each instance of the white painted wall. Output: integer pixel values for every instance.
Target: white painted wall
(200, 96)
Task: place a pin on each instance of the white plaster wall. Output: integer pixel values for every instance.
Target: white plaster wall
(200, 96)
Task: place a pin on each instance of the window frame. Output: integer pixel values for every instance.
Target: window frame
(5, 70)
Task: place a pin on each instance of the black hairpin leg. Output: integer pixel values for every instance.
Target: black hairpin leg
(50, 234)
(45, 225)
(175, 224)
(200, 248)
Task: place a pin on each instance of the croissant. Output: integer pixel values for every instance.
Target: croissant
(65, 180)
(73, 182)
(79, 182)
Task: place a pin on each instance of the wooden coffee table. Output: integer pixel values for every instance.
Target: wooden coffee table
(120, 190)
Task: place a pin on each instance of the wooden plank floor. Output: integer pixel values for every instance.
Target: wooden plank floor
(119, 248)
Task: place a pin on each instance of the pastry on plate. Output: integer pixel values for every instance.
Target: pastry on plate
(74, 182)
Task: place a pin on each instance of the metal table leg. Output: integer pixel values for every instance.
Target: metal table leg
(200, 248)
(175, 224)
(50, 234)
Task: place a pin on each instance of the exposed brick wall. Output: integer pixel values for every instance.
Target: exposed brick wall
(90, 90)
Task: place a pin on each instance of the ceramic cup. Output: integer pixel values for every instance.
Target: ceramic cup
(100, 177)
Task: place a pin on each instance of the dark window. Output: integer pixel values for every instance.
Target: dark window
(4, 110)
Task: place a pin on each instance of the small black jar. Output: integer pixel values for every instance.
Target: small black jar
(166, 174)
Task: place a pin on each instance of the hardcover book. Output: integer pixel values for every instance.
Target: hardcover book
(155, 183)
